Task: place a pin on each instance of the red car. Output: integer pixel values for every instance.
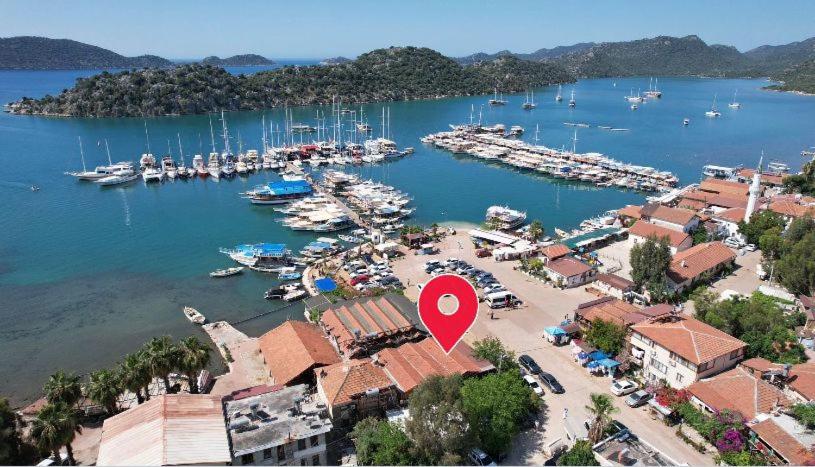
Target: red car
(359, 279)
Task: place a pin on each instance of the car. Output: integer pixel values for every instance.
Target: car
(353, 265)
(463, 268)
(750, 247)
(533, 385)
(451, 262)
(733, 242)
(529, 364)
(622, 387)
(360, 279)
(637, 399)
(483, 253)
(479, 457)
(437, 272)
(492, 288)
(551, 382)
(474, 272)
(486, 281)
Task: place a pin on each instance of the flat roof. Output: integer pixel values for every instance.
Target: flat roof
(493, 236)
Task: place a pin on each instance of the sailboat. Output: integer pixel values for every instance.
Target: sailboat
(635, 98)
(123, 172)
(214, 161)
(572, 102)
(713, 113)
(559, 96)
(99, 172)
(734, 104)
(653, 91)
(496, 101)
(529, 104)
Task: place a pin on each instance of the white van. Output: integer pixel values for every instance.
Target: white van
(501, 299)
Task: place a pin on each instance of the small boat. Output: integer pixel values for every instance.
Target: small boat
(275, 293)
(686, 121)
(634, 106)
(350, 239)
(294, 295)
(734, 104)
(288, 273)
(194, 316)
(496, 101)
(713, 113)
(559, 96)
(118, 178)
(572, 102)
(226, 272)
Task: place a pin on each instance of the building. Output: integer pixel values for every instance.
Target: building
(569, 272)
(629, 214)
(609, 309)
(681, 350)
(683, 220)
(553, 252)
(171, 429)
(725, 188)
(292, 350)
(769, 179)
(797, 380)
(783, 440)
(738, 390)
(728, 220)
(677, 239)
(613, 285)
(789, 208)
(698, 263)
(355, 389)
(277, 425)
(364, 326)
(409, 364)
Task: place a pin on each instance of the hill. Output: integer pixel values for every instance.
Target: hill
(238, 60)
(800, 78)
(538, 55)
(335, 61)
(396, 73)
(41, 53)
(774, 58)
(659, 56)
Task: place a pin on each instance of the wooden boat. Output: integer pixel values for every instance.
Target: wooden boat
(226, 272)
(194, 316)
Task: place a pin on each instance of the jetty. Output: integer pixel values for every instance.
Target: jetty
(592, 167)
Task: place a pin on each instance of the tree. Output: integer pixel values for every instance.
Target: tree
(495, 406)
(437, 423)
(601, 409)
(796, 266)
(379, 442)
(580, 454)
(700, 235)
(804, 413)
(193, 356)
(13, 449)
(536, 230)
(535, 265)
(606, 336)
(760, 222)
(135, 376)
(492, 350)
(161, 358)
(104, 388)
(55, 426)
(63, 387)
(650, 261)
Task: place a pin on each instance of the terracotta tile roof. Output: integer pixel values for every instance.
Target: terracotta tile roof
(175, 429)
(802, 379)
(769, 179)
(350, 323)
(690, 338)
(783, 443)
(664, 213)
(294, 348)
(694, 261)
(615, 281)
(740, 391)
(734, 215)
(689, 203)
(760, 365)
(630, 211)
(790, 208)
(654, 311)
(343, 382)
(568, 266)
(610, 309)
(726, 187)
(409, 364)
(644, 229)
(806, 301)
(558, 250)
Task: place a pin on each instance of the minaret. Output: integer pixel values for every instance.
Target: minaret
(755, 190)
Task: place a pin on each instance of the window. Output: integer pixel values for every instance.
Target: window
(679, 378)
(735, 354)
(315, 460)
(281, 454)
(267, 453)
(301, 444)
(247, 459)
(659, 366)
(315, 440)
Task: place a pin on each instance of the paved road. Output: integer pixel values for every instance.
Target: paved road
(521, 331)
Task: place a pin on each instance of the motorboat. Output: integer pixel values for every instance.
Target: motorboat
(147, 160)
(226, 272)
(168, 167)
(214, 165)
(350, 239)
(260, 255)
(279, 192)
(634, 106)
(275, 293)
(194, 316)
(198, 166)
(119, 177)
(294, 295)
(152, 174)
(289, 273)
(686, 121)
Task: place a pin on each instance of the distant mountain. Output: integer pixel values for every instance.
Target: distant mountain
(800, 78)
(538, 55)
(780, 57)
(396, 73)
(335, 61)
(238, 60)
(41, 53)
(658, 56)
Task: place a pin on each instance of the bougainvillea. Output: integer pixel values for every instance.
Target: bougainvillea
(732, 441)
(670, 397)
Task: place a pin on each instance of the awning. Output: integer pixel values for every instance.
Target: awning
(598, 355)
(325, 284)
(608, 363)
(554, 331)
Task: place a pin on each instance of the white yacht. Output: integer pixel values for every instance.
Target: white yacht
(504, 218)
(631, 97)
(168, 167)
(119, 177)
(214, 165)
(559, 96)
(734, 104)
(152, 174)
(713, 113)
(572, 102)
(198, 165)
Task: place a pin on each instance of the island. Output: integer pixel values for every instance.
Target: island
(238, 60)
(42, 53)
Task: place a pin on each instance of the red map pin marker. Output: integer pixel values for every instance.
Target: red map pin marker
(448, 329)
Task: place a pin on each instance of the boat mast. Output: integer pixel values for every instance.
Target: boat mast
(211, 133)
(147, 136)
(180, 149)
(227, 150)
(107, 149)
(536, 133)
(574, 142)
(82, 154)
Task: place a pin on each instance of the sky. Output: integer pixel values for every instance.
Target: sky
(320, 29)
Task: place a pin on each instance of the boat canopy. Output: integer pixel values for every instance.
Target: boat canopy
(287, 187)
(270, 249)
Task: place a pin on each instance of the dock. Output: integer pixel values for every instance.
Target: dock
(488, 144)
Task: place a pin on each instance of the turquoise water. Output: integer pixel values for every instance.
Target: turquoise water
(87, 273)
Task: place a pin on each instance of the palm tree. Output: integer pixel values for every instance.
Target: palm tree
(601, 409)
(536, 230)
(104, 387)
(134, 376)
(161, 358)
(193, 356)
(56, 425)
(63, 387)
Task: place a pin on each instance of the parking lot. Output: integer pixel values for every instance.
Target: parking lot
(521, 330)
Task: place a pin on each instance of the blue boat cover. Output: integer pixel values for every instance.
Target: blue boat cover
(325, 284)
(289, 187)
(270, 248)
